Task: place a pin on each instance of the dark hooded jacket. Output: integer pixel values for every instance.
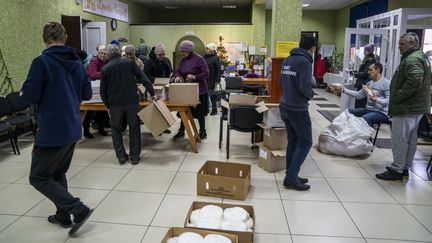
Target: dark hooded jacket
(296, 80)
(214, 67)
(56, 84)
(155, 68)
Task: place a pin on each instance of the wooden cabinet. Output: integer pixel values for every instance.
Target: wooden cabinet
(274, 84)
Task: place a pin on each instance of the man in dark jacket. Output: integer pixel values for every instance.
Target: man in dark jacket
(409, 100)
(296, 85)
(120, 95)
(157, 66)
(214, 67)
(56, 84)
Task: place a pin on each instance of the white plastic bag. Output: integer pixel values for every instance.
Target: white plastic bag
(347, 135)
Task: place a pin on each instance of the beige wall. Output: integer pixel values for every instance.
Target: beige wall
(322, 21)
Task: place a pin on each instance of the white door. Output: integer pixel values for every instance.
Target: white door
(94, 34)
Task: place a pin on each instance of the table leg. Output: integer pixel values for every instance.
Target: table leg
(192, 137)
(83, 115)
(195, 129)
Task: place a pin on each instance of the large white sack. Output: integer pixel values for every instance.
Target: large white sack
(347, 135)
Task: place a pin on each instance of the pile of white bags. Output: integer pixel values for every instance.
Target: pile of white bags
(347, 135)
(214, 217)
(191, 237)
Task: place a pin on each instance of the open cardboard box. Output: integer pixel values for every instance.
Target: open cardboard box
(272, 116)
(161, 81)
(157, 117)
(224, 179)
(275, 138)
(243, 236)
(271, 160)
(175, 231)
(184, 93)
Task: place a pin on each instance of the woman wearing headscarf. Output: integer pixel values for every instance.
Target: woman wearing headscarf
(362, 75)
(214, 66)
(193, 68)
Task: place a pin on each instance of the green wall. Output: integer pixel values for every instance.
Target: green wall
(21, 30)
(395, 4)
(258, 22)
(170, 34)
(322, 21)
(202, 16)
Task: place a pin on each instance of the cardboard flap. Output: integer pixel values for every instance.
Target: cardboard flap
(166, 113)
(261, 108)
(224, 103)
(161, 81)
(278, 153)
(141, 88)
(265, 127)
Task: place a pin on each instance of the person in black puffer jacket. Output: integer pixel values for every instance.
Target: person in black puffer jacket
(157, 66)
(362, 75)
(214, 67)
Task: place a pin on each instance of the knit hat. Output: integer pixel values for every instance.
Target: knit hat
(186, 45)
(212, 46)
(160, 49)
(369, 48)
(115, 42)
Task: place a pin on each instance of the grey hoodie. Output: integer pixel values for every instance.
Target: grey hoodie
(296, 80)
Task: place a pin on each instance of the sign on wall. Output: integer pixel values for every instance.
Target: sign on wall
(283, 48)
(108, 8)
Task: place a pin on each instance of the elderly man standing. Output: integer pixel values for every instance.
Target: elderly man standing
(120, 95)
(409, 100)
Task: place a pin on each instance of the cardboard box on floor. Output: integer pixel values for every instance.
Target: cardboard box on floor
(271, 160)
(275, 138)
(184, 93)
(243, 236)
(157, 117)
(223, 179)
(175, 231)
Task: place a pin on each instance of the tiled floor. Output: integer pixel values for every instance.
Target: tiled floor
(138, 203)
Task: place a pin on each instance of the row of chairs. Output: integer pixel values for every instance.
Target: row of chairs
(15, 114)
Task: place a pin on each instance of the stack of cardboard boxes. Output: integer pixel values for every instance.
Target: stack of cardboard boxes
(272, 151)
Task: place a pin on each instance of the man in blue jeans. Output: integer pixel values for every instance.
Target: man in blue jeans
(296, 85)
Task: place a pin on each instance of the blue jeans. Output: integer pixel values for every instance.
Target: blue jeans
(371, 117)
(299, 131)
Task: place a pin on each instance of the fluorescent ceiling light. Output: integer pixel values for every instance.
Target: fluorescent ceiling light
(171, 7)
(305, 5)
(229, 6)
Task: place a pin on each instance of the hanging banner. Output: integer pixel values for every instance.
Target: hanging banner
(283, 48)
(108, 8)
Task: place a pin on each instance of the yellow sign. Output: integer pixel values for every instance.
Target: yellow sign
(283, 48)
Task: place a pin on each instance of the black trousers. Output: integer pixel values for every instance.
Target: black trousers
(117, 115)
(48, 175)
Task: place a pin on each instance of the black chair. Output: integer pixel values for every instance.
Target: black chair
(15, 121)
(6, 128)
(243, 119)
(17, 106)
(233, 85)
(388, 122)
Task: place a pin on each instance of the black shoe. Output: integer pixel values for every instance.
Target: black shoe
(102, 132)
(135, 162)
(303, 180)
(123, 160)
(179, 134)
(213, 112)
(77, 224)
(203, 134)
(167, 131)
(87, 134)
(405, 173)
(63, 223)
(390, 175)
(298, 187)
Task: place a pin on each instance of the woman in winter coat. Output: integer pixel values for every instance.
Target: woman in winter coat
(362, 75)
(214, 66)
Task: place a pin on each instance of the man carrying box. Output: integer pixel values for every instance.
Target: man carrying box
(296, 85)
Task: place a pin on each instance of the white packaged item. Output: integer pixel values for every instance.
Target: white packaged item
(213, 238)
(190, 237)
(172, 240)
(208, 222)
(195, 216)
(249, 223)
(234, 225)
(236, 213)
(211, 211)
(347, 135)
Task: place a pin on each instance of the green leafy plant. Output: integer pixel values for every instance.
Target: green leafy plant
(337, 62)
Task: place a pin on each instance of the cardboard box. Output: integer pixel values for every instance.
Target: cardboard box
(272, 117)
(271, 160)
(184, 93)
(157, 117)
(224, 179)
(161, 81)
(275, 138)
(175, 231)
(243, 236)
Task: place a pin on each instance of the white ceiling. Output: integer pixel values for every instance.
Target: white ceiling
(242, 4)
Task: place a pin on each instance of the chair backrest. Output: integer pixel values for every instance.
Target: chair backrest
(244, 118)
(15, 103)
(233, 83)
(4, 107)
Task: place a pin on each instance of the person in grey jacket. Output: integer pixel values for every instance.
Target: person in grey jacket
(296, 85)
(377, 93)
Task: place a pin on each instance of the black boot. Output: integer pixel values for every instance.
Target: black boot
(87, 134)
(179, 134)
(213, 112)
(203, 134)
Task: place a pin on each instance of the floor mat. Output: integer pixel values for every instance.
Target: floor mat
(319, 98)
(328, 105)
(329, 114)
(384, 143)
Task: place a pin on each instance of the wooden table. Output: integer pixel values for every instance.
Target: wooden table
(184, 111)
(262, 81)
